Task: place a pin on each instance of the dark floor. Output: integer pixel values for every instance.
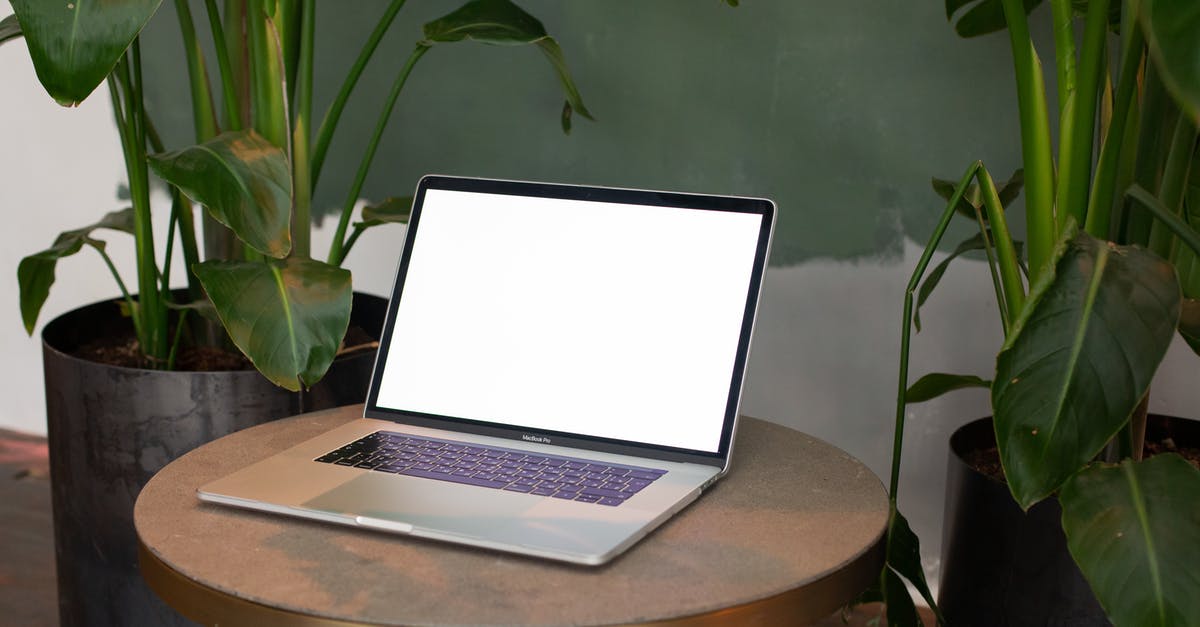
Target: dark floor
(26, 533)
(27, 585)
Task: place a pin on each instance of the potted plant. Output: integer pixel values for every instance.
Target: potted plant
(253, 285)
(1111, 237)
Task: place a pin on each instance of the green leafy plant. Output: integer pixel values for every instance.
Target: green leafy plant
(1111, 241)
(253, 169)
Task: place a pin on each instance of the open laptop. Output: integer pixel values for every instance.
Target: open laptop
(558, 374)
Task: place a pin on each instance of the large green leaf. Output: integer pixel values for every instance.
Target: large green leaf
(243, 180)
(74, 44)
(987, 16)
(1079, 359)
(35, 273)
(10, 28)
(1134, 530)
(500, 22)
(288, 316)
(1173, 34)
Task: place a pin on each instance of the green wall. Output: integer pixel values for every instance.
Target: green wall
(839, 111)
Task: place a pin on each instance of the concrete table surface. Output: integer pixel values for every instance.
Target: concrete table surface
(794, 531)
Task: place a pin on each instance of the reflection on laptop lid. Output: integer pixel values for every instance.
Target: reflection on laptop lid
(606, 317)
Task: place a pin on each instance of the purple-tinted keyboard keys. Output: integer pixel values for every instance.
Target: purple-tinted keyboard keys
(497, 468)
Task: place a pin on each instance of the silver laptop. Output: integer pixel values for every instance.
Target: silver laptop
(558, 374)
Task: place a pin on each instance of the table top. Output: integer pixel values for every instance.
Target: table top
(793, 532)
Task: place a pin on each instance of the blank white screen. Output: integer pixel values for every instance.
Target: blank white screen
(602, 319)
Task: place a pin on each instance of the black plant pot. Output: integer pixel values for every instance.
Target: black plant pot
(111, 428)
(1002, 566)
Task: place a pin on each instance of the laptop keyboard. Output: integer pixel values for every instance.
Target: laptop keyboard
(497, 468)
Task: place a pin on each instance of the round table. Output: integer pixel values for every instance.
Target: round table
(792, 533)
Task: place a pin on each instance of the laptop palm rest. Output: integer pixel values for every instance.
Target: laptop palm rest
(413, 501)
(462, 513)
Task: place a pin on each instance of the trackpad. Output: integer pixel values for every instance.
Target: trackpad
(425, 503)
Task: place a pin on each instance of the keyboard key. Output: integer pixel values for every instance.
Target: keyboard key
(610, 501)
(602, 492)
(519, 488)
(563, 495)
(483, 483)
(543, 491)
(587, 498)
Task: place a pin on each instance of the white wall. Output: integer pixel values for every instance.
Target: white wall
(59, 170)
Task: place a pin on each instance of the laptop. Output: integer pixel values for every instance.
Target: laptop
(559, 372)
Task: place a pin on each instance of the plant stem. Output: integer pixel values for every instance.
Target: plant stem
(1006, 252)
(267, 83)
(168, 253)
(182, 208)
(1137, 427)
(337, 248)
(1100, 201)
(906, 330)
(179, 327)
(204, 117)
(1035, 141)
(236, 37)
(990, 252)
(301, 166)
(284, 17)
(1174, 182)
(1156, 110)
(1064, 51)
(358, 230)
(1075, 164)
(334, 114)
(152, 325)
(233, 119)
(1167, 217)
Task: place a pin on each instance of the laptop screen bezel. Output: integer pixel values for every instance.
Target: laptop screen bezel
(764, 208)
